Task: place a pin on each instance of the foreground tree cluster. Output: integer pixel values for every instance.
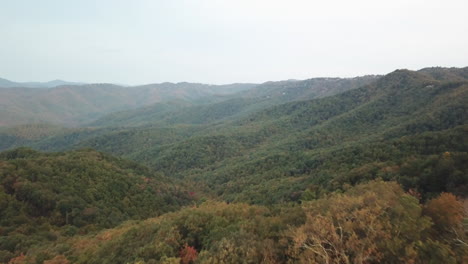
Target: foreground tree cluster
(376, 222)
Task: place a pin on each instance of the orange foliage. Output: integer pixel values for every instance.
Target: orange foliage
(18, 260)
(60, 259)
(370, 223)
(188, 254)
(446, 211)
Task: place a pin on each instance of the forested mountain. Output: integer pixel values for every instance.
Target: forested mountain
(286, 145)
(294, 90)
(318, 174)
(44, 195)
(164, 114)
(236, 105)
(75, 105)
(446, 74)
(17, 136)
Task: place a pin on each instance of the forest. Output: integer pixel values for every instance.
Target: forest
(370, 169)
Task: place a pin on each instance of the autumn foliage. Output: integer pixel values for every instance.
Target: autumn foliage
(372, 223)
(60, 259)
(188, 254)
(446, 211)
(21, 259)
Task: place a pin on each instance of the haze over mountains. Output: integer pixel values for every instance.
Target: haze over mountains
(253, 132)
(72, 105)
(10, 84)
(265, 167)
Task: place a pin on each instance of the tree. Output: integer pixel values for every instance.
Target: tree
(371, 223)
(446, 212)
(188, 254)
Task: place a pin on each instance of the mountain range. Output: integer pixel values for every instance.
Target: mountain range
(195, 173)
(72, 105)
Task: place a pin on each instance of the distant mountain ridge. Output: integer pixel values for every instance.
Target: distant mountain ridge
(75, 105)
(235, 105)
(105, 105)
(4, 83)
(300, 90)
(72, 105)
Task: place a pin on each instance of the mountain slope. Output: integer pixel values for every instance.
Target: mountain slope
(236, 105)
(282, 145)
(293, 90)
(352, 223)
(289, 140)
(6, 83)
(44, 183)
(45, 195)
(446, 74)
(75, 105)
(22, 135)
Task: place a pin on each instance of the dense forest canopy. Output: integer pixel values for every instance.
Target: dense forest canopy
(371, 169)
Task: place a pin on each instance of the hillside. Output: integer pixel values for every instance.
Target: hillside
(166, 114)
(236, 105)
(288, 146)
(352, 224)
(43, 195)
(295, 90)
(446, 74)
(75, 105)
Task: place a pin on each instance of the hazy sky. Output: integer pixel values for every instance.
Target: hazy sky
(145, 41)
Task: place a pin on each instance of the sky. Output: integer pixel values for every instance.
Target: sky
(208, 41)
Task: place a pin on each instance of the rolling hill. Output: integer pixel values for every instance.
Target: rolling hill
(44, 195)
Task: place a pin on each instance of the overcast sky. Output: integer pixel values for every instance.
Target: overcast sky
(146, 41)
